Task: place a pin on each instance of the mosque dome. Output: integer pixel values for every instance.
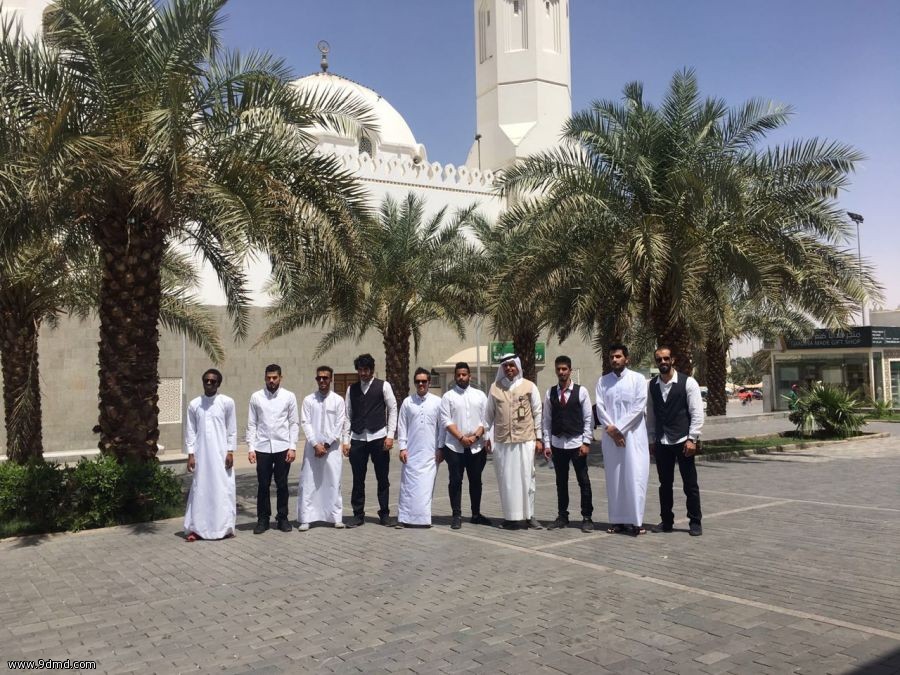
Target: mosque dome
(392, 135)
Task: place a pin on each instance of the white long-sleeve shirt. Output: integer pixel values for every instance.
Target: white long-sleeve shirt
(273, 421)
(587, 434)
(695, 410)
(390, 402)
(463, 408)
(322, 418)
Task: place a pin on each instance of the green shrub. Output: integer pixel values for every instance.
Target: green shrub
(831, 409)
(32, 495)
(104, 492)
(882, 409)
(95, 493)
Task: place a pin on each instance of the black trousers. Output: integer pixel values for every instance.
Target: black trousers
(666, 456)
(561, 459)
(360, 452)
(472, 465)
(267, 464)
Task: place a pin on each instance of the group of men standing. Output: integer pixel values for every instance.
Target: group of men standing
(462, 427)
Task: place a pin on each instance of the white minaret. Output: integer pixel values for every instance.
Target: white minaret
(522, 78)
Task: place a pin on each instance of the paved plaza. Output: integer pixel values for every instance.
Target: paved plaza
(797, 572)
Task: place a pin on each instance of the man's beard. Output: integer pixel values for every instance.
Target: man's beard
(664, 368)
(462, 385)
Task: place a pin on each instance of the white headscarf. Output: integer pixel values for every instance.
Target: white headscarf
(501, 376)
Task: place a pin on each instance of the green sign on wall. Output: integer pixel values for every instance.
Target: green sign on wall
(498, 349)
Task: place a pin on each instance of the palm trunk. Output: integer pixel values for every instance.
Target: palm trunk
(716, 373)
(396, 360)
(524, 342)
(21, 385)
(674, 334)
(129, 339)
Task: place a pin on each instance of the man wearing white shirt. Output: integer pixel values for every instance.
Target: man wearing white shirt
(674, 423)
(419, 435)
(569, 424)
(273, 426)
(369, 434)
(462, 416)
(319, 490)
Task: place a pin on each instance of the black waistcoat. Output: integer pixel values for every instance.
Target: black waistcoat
(369, 411)
(673, 418)
(566, 420)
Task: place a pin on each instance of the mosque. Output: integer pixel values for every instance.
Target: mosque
(523, 95)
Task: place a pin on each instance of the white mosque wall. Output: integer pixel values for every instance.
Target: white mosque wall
(441, 185)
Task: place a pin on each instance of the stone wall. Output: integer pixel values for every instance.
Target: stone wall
(69, 372)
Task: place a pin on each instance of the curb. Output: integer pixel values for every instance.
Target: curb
(769, 449)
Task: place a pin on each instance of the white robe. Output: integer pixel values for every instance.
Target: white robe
(622, 401)
(419, 432)
(319, 489)
(210, 433)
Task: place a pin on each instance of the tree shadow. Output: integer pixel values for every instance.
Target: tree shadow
(886, 663)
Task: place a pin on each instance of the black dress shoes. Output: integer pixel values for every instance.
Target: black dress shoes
(284, 525)
(559, 524)
(456, 523)
(261, 527)
(479, 519)
(356, 521)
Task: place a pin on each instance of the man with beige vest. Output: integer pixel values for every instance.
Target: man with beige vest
(514, 413)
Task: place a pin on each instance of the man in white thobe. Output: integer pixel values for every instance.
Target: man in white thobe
(319, 490)
(419, 434)
(210, 439)
(513, 413)
(621, 404)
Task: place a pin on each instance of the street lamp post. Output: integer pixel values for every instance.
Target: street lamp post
(858, 219)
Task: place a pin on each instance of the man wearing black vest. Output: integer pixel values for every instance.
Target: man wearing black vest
(674, 423)
(369, 433)
(568, 422)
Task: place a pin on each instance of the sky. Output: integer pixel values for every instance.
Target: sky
(837, 63)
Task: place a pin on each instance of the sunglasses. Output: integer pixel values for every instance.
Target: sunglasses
(663, 359)
(215, 382)
(322, 378)
(421, 381)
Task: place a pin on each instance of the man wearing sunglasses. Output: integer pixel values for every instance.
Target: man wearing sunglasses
(210, 438)
(322, 420)
(420, 436)
(674, 423)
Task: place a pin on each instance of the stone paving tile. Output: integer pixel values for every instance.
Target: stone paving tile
(788, 577)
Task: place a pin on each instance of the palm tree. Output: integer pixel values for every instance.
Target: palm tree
(54, 277)
(407, 270)
(676, 204)
(174, 139)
